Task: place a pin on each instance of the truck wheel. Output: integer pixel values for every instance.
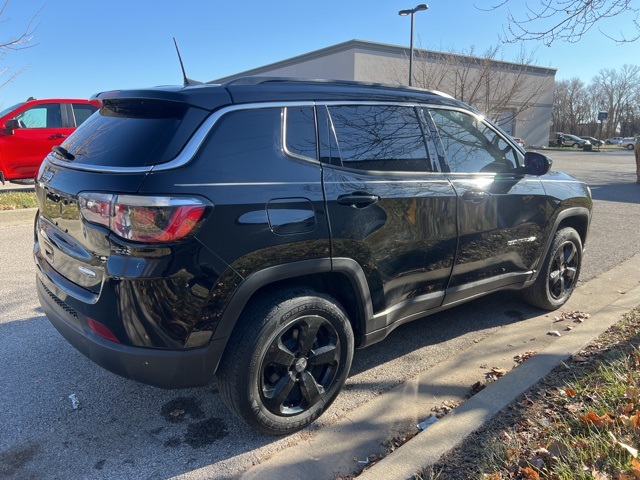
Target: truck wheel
(287, 360)
(559, 274)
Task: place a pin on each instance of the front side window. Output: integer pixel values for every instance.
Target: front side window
(380, 138)
(43, 116)
(470, 145)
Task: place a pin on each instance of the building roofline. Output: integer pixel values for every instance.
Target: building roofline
(374, 47)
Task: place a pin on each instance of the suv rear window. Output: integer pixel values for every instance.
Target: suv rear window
(134, 133)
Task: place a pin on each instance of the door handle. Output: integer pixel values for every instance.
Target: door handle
(475, 196)
(56, 136)
(358, 200)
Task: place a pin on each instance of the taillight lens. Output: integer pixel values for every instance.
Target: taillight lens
(149, 219)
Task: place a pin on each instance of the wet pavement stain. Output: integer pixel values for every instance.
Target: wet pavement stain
(173, 442)
(514, 314)
(207, 432)
(177, 410)
(14, 459)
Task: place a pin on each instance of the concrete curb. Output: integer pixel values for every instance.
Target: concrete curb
(342, 447)
(20, 216)
(427, 447)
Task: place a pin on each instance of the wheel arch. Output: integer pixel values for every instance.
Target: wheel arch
(577, 218)
(343, 279)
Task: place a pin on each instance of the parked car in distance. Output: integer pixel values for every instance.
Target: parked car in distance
(594, 141)
(30, 129)
(629, 143)
(613, 141)
(261, 230)
(574, 141)
(519, 141)
(567, 140)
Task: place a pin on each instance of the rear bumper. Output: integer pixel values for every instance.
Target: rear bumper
(159, 368)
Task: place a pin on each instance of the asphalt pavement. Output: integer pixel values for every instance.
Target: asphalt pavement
(122, 429)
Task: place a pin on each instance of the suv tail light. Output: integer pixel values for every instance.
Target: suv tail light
(149, 219)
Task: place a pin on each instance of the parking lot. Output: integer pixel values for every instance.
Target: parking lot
(61, 416)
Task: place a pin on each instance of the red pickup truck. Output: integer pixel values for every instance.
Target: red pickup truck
(30, 129)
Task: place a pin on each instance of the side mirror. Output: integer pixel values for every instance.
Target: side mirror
(11, 125)
(536, 163)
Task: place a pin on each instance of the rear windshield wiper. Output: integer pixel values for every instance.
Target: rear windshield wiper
(63, 153)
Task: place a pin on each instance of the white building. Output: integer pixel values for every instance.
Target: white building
(518, 96)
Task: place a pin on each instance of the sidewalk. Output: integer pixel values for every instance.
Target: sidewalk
(344, 446)
(427, 447)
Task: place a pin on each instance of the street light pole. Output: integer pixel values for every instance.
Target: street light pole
(404, 13)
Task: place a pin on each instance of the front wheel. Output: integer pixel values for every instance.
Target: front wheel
(286, 361)
(560, 271)
(576, 145)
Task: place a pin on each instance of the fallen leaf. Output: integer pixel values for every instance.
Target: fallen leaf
(554, 333)
(592, 418)
(628, 448)
(635, 419)
(524, 356)
(528, 474)
(571, 392)
(635, 469)
(597, 475)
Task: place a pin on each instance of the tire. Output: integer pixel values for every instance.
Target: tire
(630, 146)
(276, 378)
(576, 145)
(607, 142)
(559, 274)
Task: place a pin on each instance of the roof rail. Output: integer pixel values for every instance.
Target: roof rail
(259, 80)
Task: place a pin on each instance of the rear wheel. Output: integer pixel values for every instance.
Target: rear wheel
(630, 146)
(559, 274)
(286, 360)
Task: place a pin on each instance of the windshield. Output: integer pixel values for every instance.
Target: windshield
(7, 110)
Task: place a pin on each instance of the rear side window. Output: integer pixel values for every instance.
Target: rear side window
(82, 111)
(380, 137)
(134, 133)
(470, 145)
(300, 132)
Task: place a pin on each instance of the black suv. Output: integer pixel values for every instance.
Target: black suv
(261, 230)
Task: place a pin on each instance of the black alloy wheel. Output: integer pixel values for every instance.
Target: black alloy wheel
(559, 274)
(563, 273)
(286, 360)
(300, 365)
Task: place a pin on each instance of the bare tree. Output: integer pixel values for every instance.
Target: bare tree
(617, 92)
(501, 90)
(574, 109)
(13, 43)
(565, 20)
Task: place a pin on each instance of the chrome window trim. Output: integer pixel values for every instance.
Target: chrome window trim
(288, 152)
(196, 141)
